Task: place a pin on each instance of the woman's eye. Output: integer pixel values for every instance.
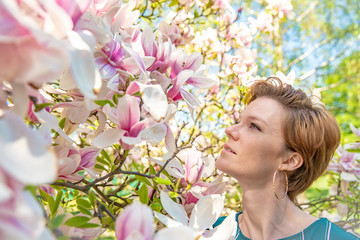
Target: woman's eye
(253, 125)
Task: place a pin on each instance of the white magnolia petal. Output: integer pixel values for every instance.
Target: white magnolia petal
(131, 140)
(161, 79)
(203, 82)
(170, 140)
(66, 81)
(169, 222)
(20, 99)
(153, 134)
(155, 101)
(206, 211)
(174, 167)
(190, 99)
(108, 137)
(5, 191)
(83, 68)
(34, 163)
(355, 130)
(226, 230)
(209, 166)
(348, 176)
(174, 209)
(176, 233)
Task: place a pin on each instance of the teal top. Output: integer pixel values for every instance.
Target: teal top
(320, 229)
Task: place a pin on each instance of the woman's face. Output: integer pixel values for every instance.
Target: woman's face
(255, 147)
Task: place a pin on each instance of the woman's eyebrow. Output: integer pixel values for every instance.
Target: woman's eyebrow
(252, 117)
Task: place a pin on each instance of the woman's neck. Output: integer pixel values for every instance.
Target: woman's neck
(265, 217)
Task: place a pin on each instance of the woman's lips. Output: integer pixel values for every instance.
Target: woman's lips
(228, 149)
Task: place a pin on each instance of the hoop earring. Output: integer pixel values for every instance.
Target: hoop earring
(286, 185)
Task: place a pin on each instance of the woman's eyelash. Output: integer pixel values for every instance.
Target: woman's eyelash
(253, 125)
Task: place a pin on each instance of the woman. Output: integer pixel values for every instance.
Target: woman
(282, 144)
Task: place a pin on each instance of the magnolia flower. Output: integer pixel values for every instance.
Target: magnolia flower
(204, 214)
(288, 79)
(194, 166)
(264, 22)
(71, 160)
(348, 165)
(135, 222)
(130, 130)
(161, 51)
(171, 31)
(283, 7)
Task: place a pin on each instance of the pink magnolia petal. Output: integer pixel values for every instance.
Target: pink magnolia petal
(128, 112)
(74, 9)
(147, 41)
(136, 217)
(108, 137)
(136, 58)
(202, 82)
(88, 156)
(133, 88)
(180, 79)
(193, 62)
(25, 62)
(125, 17)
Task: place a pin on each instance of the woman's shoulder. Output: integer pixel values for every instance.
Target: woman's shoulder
(324, 229)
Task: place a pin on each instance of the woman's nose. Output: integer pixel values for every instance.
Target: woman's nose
(233, 132)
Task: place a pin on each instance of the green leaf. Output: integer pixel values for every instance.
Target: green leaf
(357, 150)
(162, 181)
(151, 170)
(92, 198)
(98, 166)
(48, 198)
(90, 225)
(101, 160)
(57, 221)
(40, 106)
(82, 202)
(156, 206)
(173, 194)
(84, 210)
(143, 180)
(106, 156)
(62, 123)
(77, 221)
(104, 102)
(143, 194)
(57, 202)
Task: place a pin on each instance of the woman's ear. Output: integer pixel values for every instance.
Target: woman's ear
(292, 162)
